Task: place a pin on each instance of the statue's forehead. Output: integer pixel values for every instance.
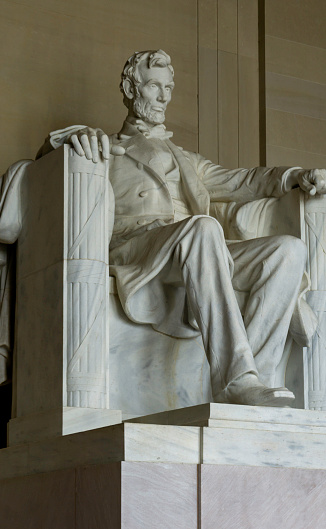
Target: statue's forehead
(162, 74)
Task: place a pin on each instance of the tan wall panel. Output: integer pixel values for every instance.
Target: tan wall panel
(228, 109)
(61, 63)
(295, 95)
(248, 79)
(248, 28)
(297, 20)
(228, 25)
(295, 59)
(207, 79)
(238, 83)
(249, 139)
(296, 132)
(277, 155)
(296, 82)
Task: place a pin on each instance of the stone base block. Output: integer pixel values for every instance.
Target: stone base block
(247, 468)
(140, 495)
(228, 435)
(253, 435)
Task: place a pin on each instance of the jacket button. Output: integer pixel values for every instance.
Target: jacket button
(140, 166)
(143, 193)
(141, 222)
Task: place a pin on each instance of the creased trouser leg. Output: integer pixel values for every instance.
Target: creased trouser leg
(271, 269)
(201, 257)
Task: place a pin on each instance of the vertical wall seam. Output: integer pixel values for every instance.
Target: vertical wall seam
(238, 88)
(262, 82)
(198, 94)
(217, 90)
(199, 496)
(75, 473)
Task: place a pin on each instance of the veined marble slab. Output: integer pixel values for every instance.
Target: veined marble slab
(229, 446)
(215, 415)
(254, 436)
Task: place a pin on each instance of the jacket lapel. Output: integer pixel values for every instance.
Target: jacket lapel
(141, 150)
(195, 191)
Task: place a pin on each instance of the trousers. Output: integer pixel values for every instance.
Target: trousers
(270, 269)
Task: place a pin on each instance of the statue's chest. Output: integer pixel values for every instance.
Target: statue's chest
(137, 187)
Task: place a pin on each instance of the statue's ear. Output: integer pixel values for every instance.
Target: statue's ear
(128, 88)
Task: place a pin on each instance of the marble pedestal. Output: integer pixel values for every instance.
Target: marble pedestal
(203, 467)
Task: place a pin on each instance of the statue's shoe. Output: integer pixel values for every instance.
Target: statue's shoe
(255, 394)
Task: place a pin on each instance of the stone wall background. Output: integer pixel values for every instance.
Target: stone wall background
(296, 82)
(61, 62)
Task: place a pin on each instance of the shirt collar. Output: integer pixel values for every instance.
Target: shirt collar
(133, 126)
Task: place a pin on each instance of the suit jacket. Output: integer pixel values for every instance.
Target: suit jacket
(142, 197)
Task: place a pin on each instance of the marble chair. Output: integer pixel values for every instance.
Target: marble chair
(79, 362)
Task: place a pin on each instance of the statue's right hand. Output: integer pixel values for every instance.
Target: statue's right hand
(90, 142)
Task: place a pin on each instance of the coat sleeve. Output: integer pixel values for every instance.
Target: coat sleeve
(241, 185)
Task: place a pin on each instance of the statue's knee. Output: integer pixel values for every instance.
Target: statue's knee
(293, 249)
(208, 227)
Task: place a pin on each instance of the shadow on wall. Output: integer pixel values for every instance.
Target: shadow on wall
(5, 412)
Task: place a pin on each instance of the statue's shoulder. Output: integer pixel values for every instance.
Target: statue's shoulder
(191, 156)
(186, 153)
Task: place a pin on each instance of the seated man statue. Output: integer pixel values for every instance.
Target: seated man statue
(173, 268)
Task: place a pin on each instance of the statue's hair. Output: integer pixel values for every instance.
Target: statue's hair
(154, 58)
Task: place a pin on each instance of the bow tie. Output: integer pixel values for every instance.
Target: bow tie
(157, 132)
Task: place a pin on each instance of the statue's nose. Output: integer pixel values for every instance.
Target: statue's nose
(162, 96)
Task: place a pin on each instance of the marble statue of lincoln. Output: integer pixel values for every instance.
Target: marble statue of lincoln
(173, 267)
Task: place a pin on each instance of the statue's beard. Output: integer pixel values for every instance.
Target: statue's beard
(143, 110)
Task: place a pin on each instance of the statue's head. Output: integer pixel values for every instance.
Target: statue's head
(147, 84)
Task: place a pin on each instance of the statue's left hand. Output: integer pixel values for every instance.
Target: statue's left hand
(313, 181)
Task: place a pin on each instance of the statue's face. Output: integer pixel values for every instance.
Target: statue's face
(155, 90)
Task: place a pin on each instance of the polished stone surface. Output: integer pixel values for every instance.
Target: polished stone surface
(280, 437)
(143, 495)
(145, 378)
(160, 495)
(243, 498)
(214, 415)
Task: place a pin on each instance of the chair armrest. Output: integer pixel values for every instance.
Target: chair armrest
(259, 218)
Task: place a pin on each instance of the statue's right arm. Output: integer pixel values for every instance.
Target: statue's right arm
(86, 141)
